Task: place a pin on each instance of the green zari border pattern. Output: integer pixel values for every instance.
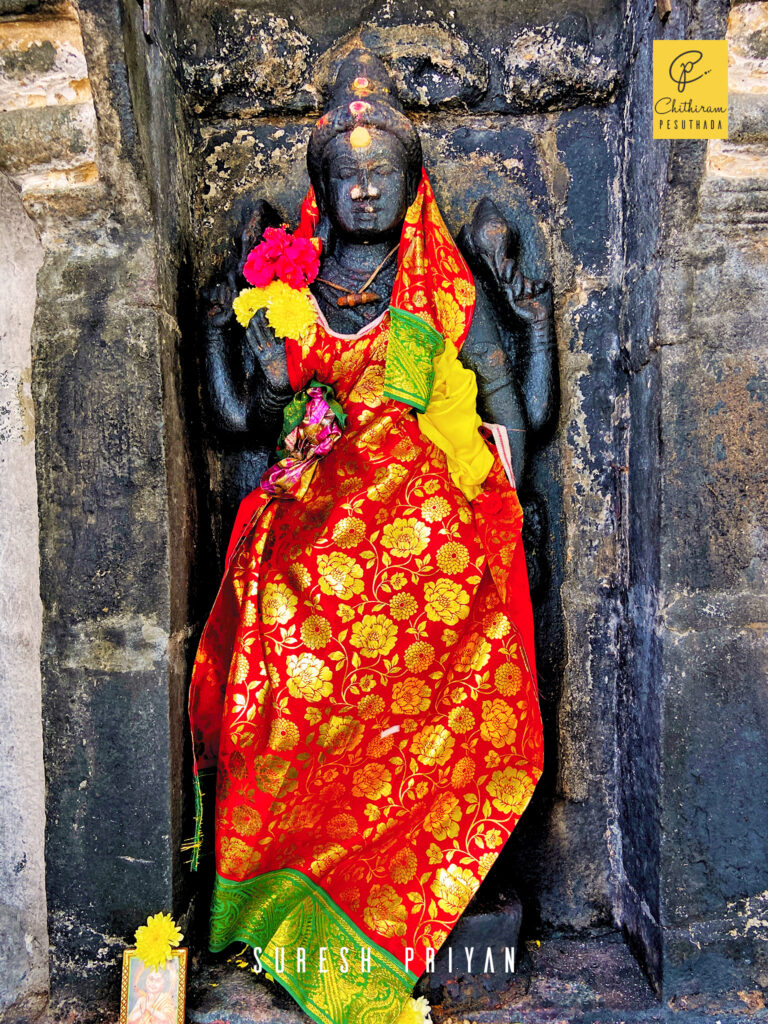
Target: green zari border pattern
(409, 372)
(285, 908)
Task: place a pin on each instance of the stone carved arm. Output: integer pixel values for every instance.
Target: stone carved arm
(246, 371)
(523, 307)
(498, 397)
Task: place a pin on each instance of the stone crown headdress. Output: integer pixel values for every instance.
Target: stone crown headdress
(363, 94)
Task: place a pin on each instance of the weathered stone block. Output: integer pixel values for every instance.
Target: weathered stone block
(714, 515)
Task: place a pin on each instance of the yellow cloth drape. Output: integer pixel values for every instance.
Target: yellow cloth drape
(452, 423)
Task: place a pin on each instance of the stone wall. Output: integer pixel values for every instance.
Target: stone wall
(76, 144)
(23, 923)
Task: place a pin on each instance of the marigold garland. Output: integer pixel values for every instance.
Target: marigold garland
(280, 268)
(290, 312)
(155, 939)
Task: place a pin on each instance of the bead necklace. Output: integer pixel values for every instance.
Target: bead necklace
(362, 296)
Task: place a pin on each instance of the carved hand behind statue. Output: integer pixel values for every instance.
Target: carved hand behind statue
(492, 247)
(269, 351)
(531, 300)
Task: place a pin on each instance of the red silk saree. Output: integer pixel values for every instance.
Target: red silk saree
(364, 692)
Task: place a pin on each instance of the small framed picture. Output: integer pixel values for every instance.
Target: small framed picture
(153, 995)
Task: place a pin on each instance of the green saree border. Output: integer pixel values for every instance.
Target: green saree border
(409, 372)
(287, 908)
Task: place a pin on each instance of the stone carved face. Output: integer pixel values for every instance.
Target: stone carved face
(366, 188)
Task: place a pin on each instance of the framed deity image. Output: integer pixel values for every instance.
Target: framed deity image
(153, 994)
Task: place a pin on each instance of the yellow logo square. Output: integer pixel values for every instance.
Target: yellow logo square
(690, 89)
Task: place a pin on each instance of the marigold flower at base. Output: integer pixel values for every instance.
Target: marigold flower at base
(415, 1011)
(155, 939)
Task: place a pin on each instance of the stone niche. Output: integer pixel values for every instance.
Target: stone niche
(133, 136)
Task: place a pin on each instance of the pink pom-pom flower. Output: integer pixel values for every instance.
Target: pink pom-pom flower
(280, 255)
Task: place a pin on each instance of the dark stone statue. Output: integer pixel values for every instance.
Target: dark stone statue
(363, 195)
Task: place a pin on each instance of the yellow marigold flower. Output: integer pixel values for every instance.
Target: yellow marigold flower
(316, 632)
(283, 734)
(463, 773)
(277, 604)
(461, 719)
(290, 312)
(493, 838)
(402, 606)
(155, 939)
(339, 733)
(248, 302)
(432, 745)
(510, 790)
(340, 575)
(419, 656)
(499, 723)
(402, 866)
(406, 537)
(454, 888)
(373, 781)
(508, 679)
(496, 625)
(446, 601)
(308, 677)
(370, 706)
(349, 532)
(385, 913)
(444, 817)
(453, 558)
(410, 696)
(375, 636)
(435, 509)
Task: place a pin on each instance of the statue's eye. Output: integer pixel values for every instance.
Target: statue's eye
(383, 169)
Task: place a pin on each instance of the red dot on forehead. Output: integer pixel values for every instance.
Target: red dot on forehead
(360, 83)
(359, 107)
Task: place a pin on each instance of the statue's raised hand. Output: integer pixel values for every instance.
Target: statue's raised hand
(530, 299)
(492, 246)
(269, 350)
(219, 299)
